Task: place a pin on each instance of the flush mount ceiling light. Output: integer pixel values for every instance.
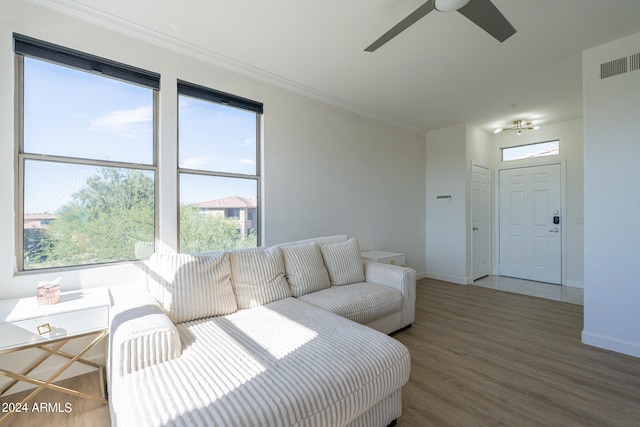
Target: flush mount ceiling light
(518, 126)
(450, 5)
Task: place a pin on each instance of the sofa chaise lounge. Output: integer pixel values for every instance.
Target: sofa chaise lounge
(291, 335)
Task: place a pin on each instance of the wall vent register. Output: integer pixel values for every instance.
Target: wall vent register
(619, 66)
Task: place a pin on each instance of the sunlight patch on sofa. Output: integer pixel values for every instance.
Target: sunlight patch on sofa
(285, 335)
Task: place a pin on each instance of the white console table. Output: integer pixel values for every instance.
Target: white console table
(24, 324)
(394, 258)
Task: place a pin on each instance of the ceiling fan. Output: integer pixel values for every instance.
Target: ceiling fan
(483, 13)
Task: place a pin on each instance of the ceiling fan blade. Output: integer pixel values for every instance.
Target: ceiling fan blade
(414, 17)
(485, 15)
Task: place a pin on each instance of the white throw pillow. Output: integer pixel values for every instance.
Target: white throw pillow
(329, 240)
(258, 276)
(304, 267)
(343, 262)
(325, 240)
(191, 287)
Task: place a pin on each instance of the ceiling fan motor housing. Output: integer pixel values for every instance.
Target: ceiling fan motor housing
(449, 5)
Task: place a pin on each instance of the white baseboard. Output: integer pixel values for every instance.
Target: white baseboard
(613, 344)
(574, 283)
(446, 278)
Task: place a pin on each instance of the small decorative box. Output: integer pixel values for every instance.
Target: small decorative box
(48, 293)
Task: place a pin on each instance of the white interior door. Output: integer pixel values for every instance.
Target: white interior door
(530, 240)
(481, 221)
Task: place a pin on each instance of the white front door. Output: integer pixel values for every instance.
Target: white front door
(481, 211)
(530, 238)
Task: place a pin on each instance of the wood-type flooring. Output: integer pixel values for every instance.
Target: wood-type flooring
(482, 357)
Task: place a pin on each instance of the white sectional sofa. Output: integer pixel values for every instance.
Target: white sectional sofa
(291, 335)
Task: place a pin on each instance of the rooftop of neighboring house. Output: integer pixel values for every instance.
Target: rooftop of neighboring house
(38, 220)
(229, 203)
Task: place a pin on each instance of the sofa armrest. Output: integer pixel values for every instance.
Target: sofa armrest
(397, 277)
(141, 334)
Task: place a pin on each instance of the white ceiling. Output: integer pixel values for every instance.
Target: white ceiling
(444, 70)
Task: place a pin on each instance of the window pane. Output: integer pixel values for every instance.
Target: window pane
(541, 149)
(215, 137)
(78, 114)
(79, 214)
(217, 213)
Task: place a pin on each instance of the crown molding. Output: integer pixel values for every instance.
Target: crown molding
(156, 38)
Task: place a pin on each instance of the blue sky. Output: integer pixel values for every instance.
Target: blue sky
(216, 137)
(78, 114)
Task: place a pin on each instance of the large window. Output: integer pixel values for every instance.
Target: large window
(86, 158)
(219, 169)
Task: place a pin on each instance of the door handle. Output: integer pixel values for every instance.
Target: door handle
(475, 229)
(553, 230)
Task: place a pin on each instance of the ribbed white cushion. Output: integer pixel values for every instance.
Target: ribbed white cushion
(325, 240)
(258, 276)
(343, 262)
(140, 333)
(284, 364)
(304, 267)
(382, 414)
(191, 287)
(329, 240)
(360, 302)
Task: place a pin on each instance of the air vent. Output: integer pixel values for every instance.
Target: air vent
(613, 68)
(634, 62)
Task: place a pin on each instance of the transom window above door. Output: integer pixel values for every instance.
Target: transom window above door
(530, 151)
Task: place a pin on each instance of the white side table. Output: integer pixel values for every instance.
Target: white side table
(394, 258)
(25, 324)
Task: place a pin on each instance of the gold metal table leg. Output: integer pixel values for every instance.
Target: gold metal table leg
(48, 383)
(33, 366)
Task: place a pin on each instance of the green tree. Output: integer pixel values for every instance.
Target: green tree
(112, 215)
(104, 220)
(202, 233)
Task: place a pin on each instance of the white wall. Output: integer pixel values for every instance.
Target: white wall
(479, 148)
(449, 155)
(446, 218)
(571, 152)
(331, 171)
(612, 201)
(327, 170)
